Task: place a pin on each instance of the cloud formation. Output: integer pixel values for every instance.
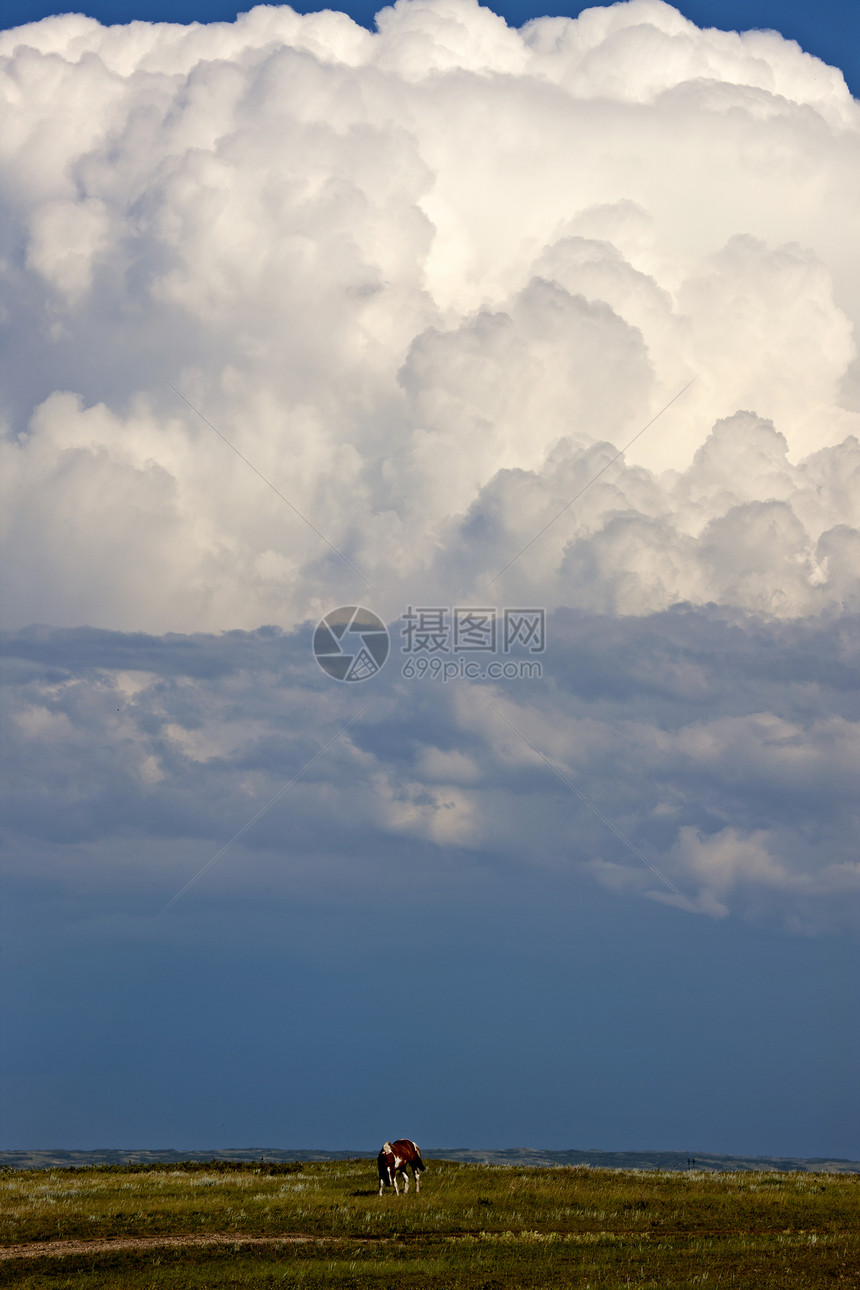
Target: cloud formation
(724, 748)
(422, 279)
(428, 281)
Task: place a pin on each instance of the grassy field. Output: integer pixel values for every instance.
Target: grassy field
(473, 1226)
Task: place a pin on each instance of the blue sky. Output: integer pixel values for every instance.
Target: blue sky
(831, 29)
(427, 285)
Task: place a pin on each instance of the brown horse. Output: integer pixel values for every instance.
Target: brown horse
(397, 1158)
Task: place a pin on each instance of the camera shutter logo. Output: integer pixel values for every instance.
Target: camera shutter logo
(351, 643)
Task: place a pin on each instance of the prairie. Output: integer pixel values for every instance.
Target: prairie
(472, 1226)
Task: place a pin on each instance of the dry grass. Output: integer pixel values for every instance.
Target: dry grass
(472, 1226)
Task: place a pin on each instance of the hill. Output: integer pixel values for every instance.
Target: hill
(523, 1156)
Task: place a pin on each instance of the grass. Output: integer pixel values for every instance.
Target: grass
(472, 1227)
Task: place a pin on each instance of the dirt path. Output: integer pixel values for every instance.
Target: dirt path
(46, 1249)
(56, 1249)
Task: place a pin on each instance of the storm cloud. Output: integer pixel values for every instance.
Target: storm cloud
(429, 281)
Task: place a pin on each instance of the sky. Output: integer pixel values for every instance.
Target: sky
(534, 340)
(830, 29)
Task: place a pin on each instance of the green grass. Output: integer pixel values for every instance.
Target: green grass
(473, 1226)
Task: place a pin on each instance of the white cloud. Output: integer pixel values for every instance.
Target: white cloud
(394, 268)
(428, 281)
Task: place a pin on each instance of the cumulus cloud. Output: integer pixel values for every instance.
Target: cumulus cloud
(428, 281)
(423, 278)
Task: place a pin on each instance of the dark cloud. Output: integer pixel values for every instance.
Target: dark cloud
(721, 742)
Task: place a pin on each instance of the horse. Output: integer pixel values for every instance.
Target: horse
(397, 1158)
